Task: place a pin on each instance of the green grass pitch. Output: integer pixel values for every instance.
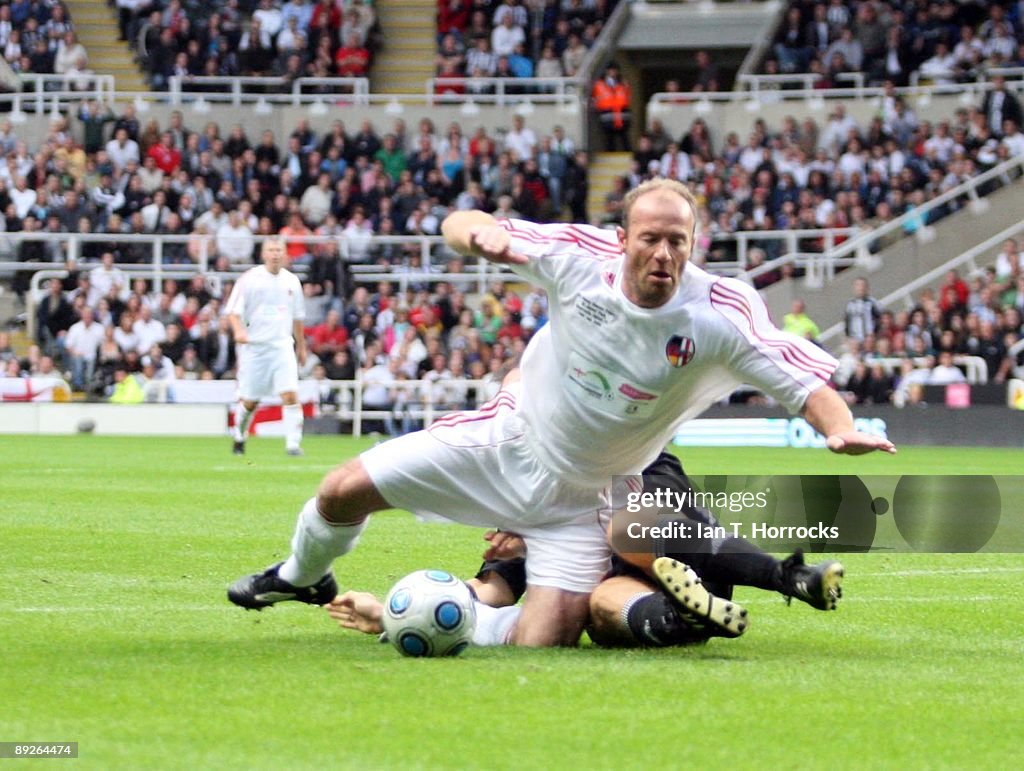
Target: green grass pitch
(115, 633)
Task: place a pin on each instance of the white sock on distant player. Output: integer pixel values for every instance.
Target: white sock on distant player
(292, 415)
(315, 545)
(494, 625)
(243, 419)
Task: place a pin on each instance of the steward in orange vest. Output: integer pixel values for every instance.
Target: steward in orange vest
(611, 100)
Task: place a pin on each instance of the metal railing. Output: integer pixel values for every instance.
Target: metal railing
(504, 91)
(975, 368)
(745, 240)
(270, 90)
(905, 294)
(409, 398)
(431, 251)
(771, 83)
(57, 92)
(756, 93)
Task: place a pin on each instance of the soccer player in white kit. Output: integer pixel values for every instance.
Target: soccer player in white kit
(266, 310)
(640, 340)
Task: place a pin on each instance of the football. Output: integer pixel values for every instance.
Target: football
(429, 613)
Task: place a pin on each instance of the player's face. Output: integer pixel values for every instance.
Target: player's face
(657, 246)
(273, 255)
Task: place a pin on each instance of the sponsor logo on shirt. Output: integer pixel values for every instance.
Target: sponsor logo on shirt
(680, 350)
(592, 382)
(632, 392)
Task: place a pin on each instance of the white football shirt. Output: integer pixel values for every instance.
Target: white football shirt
(606, 382)
(268, 305)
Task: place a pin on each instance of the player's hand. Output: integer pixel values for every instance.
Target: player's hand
(301, 354)
(241, 338)
(494, 243)
(357, 610)
(503, 546)
(858, 443)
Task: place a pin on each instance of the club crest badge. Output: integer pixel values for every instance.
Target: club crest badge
(679, 350)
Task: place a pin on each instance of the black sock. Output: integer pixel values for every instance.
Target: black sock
(654, 622)
(731, 560)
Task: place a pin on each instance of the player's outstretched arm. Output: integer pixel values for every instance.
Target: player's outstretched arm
(357, 610)
(828, 414)
(478, 234)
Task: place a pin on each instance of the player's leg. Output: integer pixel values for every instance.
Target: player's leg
(628, 609)
(253, 382)
(291, 413)
(415, 472)
(551, 616)
(328, 527)
(722, 559)
(564, 564)
(286, 383)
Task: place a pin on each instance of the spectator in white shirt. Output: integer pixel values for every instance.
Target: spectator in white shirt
(81, 345)
(271, 19)
(235, 240)
(941, 67)
(22, 196)
(122, 150)
(520, 141)
(105, 276)
(148, 330)
(506, 36)
(945, 372)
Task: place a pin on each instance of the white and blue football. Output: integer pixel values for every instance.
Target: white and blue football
(429, 613)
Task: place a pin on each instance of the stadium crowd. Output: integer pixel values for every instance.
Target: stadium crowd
(841, 174)
(39, 38)
(513, 39)
(941, 40)
(891, 357)
(219, 190)
(219, 193)
(298, 38)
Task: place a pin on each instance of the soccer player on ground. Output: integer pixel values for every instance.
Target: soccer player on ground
(630, 608)
(639, 340)
(266, 310)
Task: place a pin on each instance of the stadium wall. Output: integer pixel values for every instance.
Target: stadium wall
(282, 119)
(134, 420)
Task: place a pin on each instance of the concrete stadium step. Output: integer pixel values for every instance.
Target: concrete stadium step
(96, 26)
(604, 168)
(412, 51)
(406, 60)
(20, 342)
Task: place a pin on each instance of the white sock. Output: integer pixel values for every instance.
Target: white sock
(315, 545)
(243, 419)
(292, 416)
(494, 625)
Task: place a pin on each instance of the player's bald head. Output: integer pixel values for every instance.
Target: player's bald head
(657, 185)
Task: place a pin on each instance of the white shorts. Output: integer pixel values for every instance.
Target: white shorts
(265, 370)
(476, 468)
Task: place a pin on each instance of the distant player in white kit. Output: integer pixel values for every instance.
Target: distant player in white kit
(266, 311)
(639, 340)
